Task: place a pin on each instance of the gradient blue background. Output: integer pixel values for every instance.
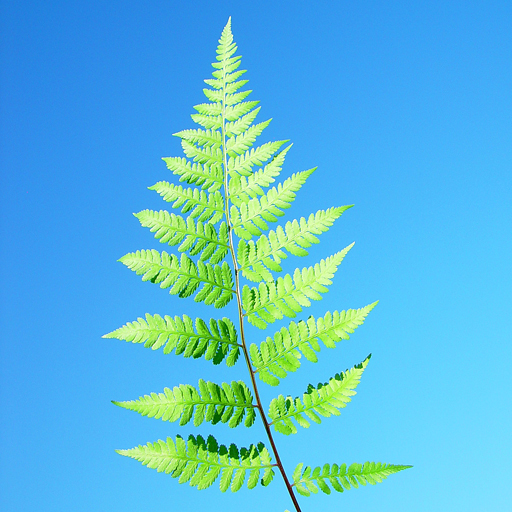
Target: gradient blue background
(406, 109)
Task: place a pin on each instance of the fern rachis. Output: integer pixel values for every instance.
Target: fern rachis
(222, 232)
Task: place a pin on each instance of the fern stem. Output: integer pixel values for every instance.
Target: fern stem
(241, 315)
(259, 405)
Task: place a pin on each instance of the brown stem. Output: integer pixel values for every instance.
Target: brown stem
(257, 395)
(241, 319)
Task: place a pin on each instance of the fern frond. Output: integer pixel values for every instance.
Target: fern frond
(209, 109)
(340, 477)
(206, 138)
(250, 218)
(226, 104)
(256, 259)
(227, 65)
(201, 205)
(225, 51)
(231, 190)
(242, 165)
(242, 188)
(207, 177)
(183, 276)
(207, 155)
(208, 122)
(240, 144)
(217, 95)
(277, 356)
(226, 46)
(234, 99)
(227, 84)
(234, 108)
(243, 123)
(210, 402)
(323, 400)
(195, 237)
(187, 337)
(201, 462)
(286, 296)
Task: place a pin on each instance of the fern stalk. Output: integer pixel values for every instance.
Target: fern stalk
(238, 295)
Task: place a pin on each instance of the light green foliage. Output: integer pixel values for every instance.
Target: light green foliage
(242, 188)
(222, 229)
(210, 402)
(201, 462)
(196, 174)
(281, 354)
(324, 400)
(340, 477)
(202, 206)
(215, 342)
(193, 236)
(257, 259)
(249, 218)
(286, 296)
(183, 276)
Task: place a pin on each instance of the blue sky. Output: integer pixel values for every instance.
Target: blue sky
(406, 109)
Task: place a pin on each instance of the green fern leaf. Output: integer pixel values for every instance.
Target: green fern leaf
(236, 146)
(287, 296)
(340, 477)
(213, 115)
(256, 258)
(243, 123)
(207, 138)
(242, 188)
(242, 165)
(186, 337)
(194, 237)
(235, 112)
(226, 47)
(227, 64)
(207, 177)
(226, 106)
(324, 400)
(210, 402)
(224, 85)
(209, 156)
(201, 462)
(231, 191)
(277, 356)
(250, 219)
(208, 122)
(209, 109)
(202, 206)
(233, 99)
(183, 276)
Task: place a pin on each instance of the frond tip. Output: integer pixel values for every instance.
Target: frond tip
(340, 477)
(201, 462)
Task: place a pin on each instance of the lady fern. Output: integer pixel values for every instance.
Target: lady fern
(222, 232)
